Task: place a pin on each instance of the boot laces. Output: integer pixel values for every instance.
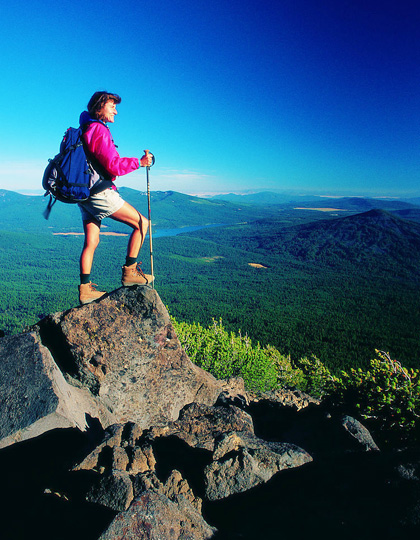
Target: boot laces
(138, 271)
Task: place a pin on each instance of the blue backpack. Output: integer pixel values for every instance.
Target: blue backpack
(67, 176)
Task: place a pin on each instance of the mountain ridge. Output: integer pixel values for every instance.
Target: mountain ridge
(322, 287)
(376, 232)
(345, 202)
(354, 238)
(172, 209)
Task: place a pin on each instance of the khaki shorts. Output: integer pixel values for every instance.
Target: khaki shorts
(101, 205)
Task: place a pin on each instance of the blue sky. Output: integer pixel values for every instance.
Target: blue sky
(305, 95)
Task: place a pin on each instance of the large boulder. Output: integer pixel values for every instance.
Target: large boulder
(122, 448)
(200, 425)
(242, 461)
(34, 395)
(125, 350)
(152, 516)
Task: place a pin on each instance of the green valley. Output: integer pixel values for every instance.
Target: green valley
(334, 284)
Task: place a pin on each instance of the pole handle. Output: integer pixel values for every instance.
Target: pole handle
(153, 158)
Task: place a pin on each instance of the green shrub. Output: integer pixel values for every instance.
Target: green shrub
(316, 378)
(387, 393)
(225, 354)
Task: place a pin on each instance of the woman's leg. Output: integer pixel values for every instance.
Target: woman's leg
(91, 229)
(87, 291)
(130, 216)
(131, 272)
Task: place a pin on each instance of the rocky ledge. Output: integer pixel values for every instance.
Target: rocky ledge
(108, 431)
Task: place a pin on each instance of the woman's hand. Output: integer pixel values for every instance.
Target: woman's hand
(147, 159)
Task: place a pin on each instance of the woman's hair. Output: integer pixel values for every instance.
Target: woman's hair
(98, 100)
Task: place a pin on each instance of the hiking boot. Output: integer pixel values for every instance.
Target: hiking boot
(88, 293)
(133, 275)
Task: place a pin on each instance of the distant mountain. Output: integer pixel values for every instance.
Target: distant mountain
(351, 204)
(365, 204)
(25, 213)
(376, 238)
(264, 197)
(169, 210)
(372, 238)
(173, 210)
(413, 214)
(413, 200)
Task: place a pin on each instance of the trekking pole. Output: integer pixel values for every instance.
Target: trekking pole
(150, 218)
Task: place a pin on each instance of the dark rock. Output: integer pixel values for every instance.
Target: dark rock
(191, 444)
(124, 348)
(154, 516)
(406, 480)
(120, 459)
(409, 471)
(285, 397)
(121, 449)
(314, 428)
(34, 395)
(174, 487)
(359, 432)
(131, 434)
(114, 490)
(242, 461)
(199, 425)
(111, 438)
(36, 480)
(147, 482)
(354, 495)
(233, 393)
(142, 459)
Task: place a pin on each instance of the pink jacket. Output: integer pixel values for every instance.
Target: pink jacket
(99, 142)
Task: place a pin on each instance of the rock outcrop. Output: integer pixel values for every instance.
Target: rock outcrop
(137, 442)
(152, 515)
(200, 425)
(241, 462)
(34, 395)
(234, 461)
(125, 350)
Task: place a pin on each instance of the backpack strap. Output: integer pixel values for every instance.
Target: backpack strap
(46, 213)
(104, 177)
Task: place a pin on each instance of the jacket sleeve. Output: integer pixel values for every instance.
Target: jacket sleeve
(99, 143)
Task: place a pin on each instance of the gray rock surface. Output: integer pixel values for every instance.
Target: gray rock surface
(359, 432)
(124, 348)
(114, 490)
(242, 461)
(34, 395)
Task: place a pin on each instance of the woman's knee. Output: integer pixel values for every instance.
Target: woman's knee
(91, 230)
(95, 242)
(143, 224)
(91, 243)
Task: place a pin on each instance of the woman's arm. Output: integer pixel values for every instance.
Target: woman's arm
(99, 143)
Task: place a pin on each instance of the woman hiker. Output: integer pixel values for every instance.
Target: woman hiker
(105, 201)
